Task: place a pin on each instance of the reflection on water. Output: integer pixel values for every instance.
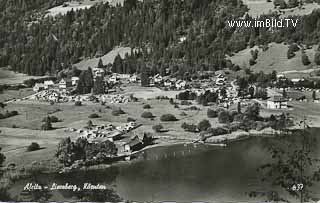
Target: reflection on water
(181, 173)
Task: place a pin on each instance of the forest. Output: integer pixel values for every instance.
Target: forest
(183, 36)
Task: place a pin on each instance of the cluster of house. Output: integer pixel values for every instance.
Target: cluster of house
(51, 95)
(102, 133)
(167, 82)
(62, 85)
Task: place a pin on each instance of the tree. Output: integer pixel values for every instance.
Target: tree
(284, 93)
(251, 91)
(317, 57)
(46, 125)
(204, 125)
(239, 107)
(85, 83)
(293, 166)
(89, 124)
(293, 3)
(99, 86)
(212, 113)
(147, 114)
(157, 128)
(100, 64)
(253, 111)
(314, 95)
(168, 117)
(224, 117)
(2, 158)
(305, 59)
(33, 147)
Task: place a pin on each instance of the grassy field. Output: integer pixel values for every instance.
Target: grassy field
(106, 59)
(76, 6)
(275, 58)
(9, 77)
(259, 7)
(15, 140)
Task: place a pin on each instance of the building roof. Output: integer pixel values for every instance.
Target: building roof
(48, 82)
(277, 98)
(135, 141)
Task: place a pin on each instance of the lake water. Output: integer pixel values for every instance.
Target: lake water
(184, 173)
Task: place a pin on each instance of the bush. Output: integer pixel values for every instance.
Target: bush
(189, 127)
(212, 113)
(157, 128)
(186, 103)
(129, 119)
(46, 126)
(52, 119)
(204, 125)
(94, 115)
(217, 131)
(117, 112)
(33, 147)
(224, 117)
(147, 114)
(146, 106)
(168, 117)
(78, 103)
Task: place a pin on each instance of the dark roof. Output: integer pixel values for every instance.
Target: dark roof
(277, 98)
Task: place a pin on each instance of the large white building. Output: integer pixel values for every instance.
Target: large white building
(277, 102)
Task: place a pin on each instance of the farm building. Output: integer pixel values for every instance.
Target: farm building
(48, 84)
(277, 102)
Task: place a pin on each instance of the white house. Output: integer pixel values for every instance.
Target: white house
(181, 84)
(113, 79)
(38, 87)
(157, 78)
(98, 72)
(167, 83)
(64, 84)
(74, 81)
(48, 84)
(133, 78)
(277, 102)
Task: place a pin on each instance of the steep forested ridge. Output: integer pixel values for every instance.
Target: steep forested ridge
(156, 27)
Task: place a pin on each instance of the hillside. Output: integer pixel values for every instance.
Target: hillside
(106, 59)
(76, 5)
(275, 58)
(260, 7)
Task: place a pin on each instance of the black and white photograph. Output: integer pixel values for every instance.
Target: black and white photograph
(209, 101)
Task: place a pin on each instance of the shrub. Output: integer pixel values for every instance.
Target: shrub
(212, 113)
(224, 117)
(157, 128)
(186, 103)
(78, 103)
(147, 114)
(94, 115)
(129, 119)
(204, 125)
(117, 112)
(146, 106)
(217, 131)
(168, 117)
(52, 119)
(33, 147)
(46, 126)
(189, 127)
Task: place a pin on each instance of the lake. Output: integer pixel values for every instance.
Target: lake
(184, 173)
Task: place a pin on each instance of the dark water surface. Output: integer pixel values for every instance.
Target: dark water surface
(184, 173)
